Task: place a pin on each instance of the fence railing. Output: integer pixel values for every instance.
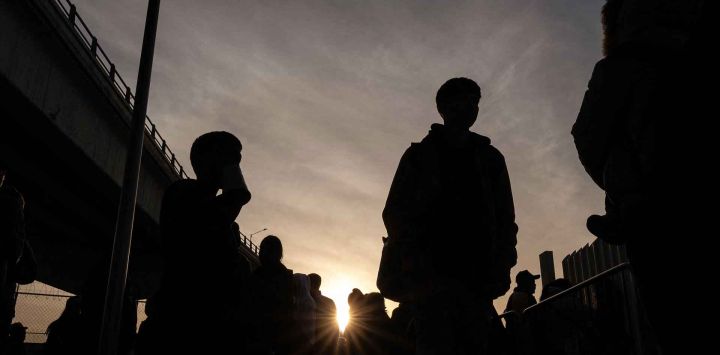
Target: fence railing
(600, 315)
(248, 243)
(36, 310)
(67, 9)
(592, 259)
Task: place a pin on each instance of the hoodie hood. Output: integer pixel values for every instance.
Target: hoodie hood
(438, 135)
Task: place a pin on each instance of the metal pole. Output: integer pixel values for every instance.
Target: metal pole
(110, 327)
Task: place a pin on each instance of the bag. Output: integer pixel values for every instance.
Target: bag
(25, 270)
(403, 275)
(390, 278)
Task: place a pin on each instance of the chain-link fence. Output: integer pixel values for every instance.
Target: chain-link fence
(37, 305)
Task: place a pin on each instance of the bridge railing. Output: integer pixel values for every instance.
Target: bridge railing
(248, 243)
(67, 9)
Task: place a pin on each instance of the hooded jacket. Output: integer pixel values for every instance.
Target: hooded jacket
(454, 201)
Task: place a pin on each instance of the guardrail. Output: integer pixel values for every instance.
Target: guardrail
(601, 315)
(68, 11)
(104, 64)
(249, 244)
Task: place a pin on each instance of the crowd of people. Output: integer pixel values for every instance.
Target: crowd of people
(453, 185)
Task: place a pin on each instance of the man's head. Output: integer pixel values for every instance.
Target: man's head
(355, 299)
(315, 281)
(554, 287)
(211, 152)
(526, 281)
(271, 250)
(18, 332)
(457, 102)
(73, 305)
(375, 302)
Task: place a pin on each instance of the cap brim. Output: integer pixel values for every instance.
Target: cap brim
(535, 277)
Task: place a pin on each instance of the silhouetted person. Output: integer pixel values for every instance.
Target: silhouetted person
(304, 322)
(205, 278)
(92, 296)
(354, 329)
(327, 330)
(65, 334)
(521, 298)
(272, 301)
(643, 134)
(451, 228)
(565, 326)
(148, 340)
(383, 334)
(404, 324)
(370, 330)
(615, 129)
(12, 243)
(16, 340)
(523, 295)
(554, 287)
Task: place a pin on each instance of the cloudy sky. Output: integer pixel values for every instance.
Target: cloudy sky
(326, 96)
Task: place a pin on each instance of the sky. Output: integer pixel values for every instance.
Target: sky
(327, 95)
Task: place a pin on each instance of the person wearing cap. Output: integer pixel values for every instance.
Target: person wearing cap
(522, 296)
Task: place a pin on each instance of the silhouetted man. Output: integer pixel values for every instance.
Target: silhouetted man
(644, 135)
(205, 274)
(64, 335)
(326, 318)
(370, 330)
(523, 295)
(92, 296)
(450, 213)
(12, 241)
(16, 341)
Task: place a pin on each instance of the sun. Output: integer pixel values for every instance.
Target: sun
(343, 316)
(339, 291)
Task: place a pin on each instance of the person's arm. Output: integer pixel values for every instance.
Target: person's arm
(510, 304)
(602, 107)
(399, 207)
(505, 254)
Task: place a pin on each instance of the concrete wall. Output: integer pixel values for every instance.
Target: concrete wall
(58, 76)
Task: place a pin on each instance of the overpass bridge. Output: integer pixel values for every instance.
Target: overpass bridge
(65, 116)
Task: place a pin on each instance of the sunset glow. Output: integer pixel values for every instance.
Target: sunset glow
(339, 291)
(326, 99)
(343, 316)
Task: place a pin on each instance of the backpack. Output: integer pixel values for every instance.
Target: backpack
(398, 282)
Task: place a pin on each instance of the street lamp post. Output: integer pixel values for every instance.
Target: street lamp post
(252, 234)
(117, 275)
